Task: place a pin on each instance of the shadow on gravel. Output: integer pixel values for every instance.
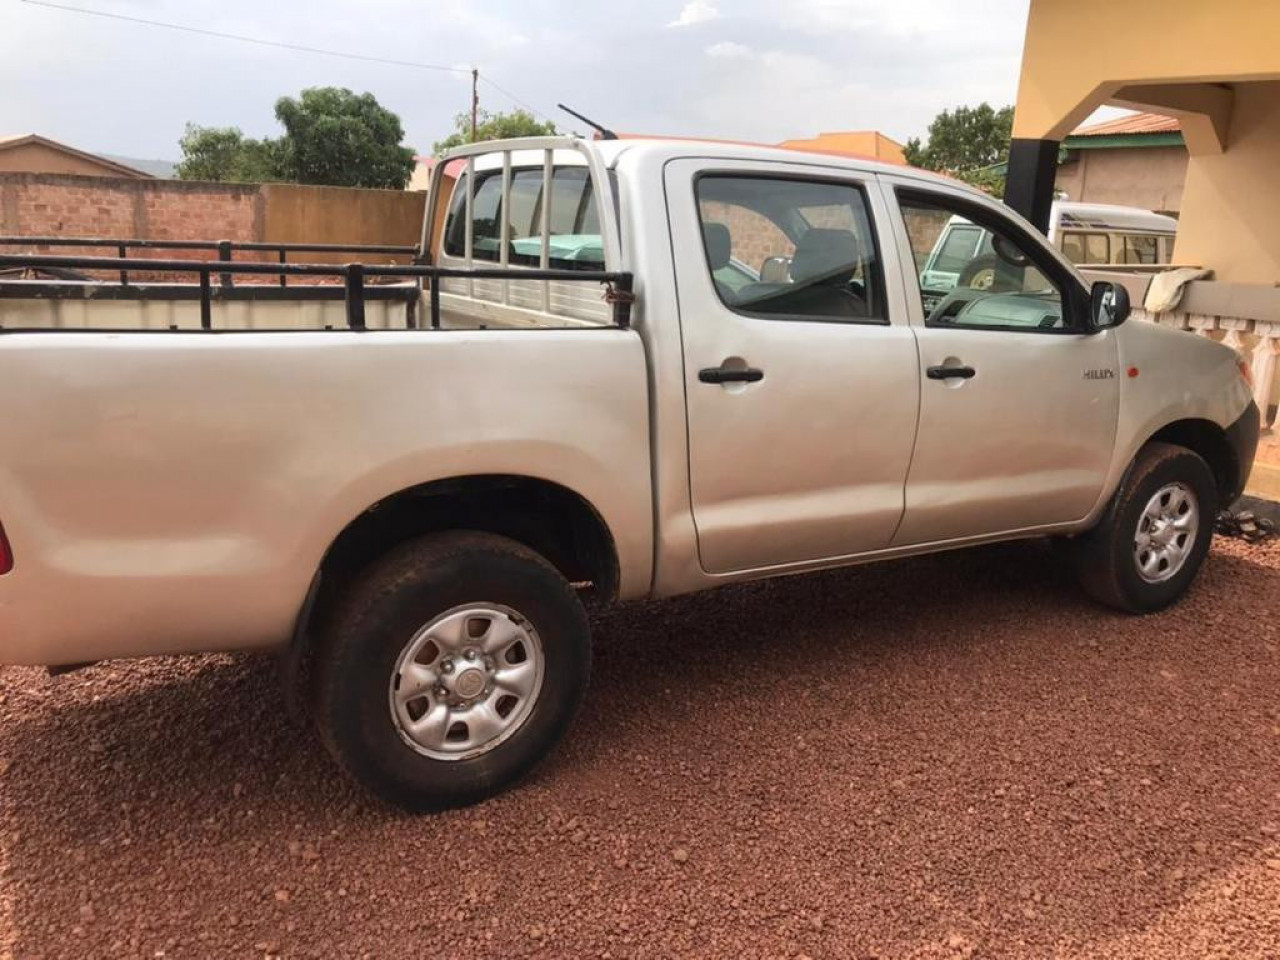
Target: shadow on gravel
(958, 742)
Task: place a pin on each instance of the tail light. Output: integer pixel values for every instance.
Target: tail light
(6, 555)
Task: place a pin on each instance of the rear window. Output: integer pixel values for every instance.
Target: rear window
(575, 240)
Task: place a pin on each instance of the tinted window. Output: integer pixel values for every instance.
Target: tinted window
(997, 285)
(575, 226)
(791, 249)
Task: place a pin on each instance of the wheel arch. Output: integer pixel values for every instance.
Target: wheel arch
(1210, 442)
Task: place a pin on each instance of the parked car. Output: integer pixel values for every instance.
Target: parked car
(1088, 234)
(419, 513)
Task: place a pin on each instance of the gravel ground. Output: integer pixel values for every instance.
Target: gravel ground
(954, 756)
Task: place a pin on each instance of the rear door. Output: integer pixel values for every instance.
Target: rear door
(801, 389)
(1018, 404)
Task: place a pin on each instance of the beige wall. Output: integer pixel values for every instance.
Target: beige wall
(39, 158)
(1231, 204)
(1147, 177)
(301, 214)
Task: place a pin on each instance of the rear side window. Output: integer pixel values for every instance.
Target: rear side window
(574, 232)
(1138, 249)
(1086, 247)
(791, 249)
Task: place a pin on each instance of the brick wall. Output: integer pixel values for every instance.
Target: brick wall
(35, 204)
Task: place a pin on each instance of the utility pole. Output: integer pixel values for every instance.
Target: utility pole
(475, 101)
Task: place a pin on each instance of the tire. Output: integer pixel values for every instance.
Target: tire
(1108, 561)
(478, 590)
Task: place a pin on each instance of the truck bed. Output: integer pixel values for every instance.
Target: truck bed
(185, 486)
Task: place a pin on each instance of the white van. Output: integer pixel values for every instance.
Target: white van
(1086, 233)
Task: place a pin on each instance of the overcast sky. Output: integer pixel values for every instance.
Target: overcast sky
(761, 70)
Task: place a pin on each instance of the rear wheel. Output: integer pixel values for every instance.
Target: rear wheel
(1155, 534)
(452, 667)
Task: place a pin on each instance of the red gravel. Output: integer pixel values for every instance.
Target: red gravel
(946, 757)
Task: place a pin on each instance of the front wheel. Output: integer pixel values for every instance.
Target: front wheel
(450, 668)
(1155, 534)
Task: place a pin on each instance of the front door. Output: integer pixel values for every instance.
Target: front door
(1018, 403)
(801, 378)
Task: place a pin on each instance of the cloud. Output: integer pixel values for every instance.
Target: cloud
(696, 11)
(727, 48)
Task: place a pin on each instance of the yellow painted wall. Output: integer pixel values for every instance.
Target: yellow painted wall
(39, 158)
(1231, 202)
(1079, 52)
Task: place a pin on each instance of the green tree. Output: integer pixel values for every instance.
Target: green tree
(331, 136)
(495, 126)
(967, 143)
(336, 137)
(224, 153)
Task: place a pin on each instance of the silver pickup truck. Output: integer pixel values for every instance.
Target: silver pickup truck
(624, 369)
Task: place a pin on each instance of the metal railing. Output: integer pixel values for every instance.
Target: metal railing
(618, 285)
(225, 249)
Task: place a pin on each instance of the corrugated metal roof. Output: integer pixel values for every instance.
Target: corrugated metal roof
(1132, 123)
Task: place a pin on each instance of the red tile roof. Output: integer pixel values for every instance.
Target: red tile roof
(1130, 123)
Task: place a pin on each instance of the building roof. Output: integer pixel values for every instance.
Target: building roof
(1132, 123)
(23, 139)
(856, 144)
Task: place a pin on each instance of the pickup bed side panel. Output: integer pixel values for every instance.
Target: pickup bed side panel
(173, 492)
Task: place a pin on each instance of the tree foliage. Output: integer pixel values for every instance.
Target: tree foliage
(495, 126)
(331, 136)
(966, 143)
(224, 153)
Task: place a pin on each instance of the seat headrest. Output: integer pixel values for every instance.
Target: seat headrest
(824, 254)
(719, 244)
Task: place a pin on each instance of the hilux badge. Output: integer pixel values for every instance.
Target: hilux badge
(1099, 374)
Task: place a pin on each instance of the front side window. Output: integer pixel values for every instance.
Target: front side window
(791, 249)
(574, 232)
(997, 285)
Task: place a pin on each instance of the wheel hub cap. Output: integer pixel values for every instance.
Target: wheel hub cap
(1166, 533)
(466, 681)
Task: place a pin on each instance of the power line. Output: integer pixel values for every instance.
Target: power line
(518, 102)
(279, 44)
(260, 42)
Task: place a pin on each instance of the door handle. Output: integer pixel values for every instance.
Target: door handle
(730, 375)
(948, 373)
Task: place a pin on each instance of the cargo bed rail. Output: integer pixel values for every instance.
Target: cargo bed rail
(617, 293)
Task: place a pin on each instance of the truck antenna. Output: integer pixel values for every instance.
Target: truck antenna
(605, 132)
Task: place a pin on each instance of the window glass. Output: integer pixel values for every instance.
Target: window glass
(957, 248)
(791, 249)
(1086, 247)
(996, 286)
(1138, 249)
(575, 225)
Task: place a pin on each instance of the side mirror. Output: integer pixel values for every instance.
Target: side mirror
(1108, 305)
